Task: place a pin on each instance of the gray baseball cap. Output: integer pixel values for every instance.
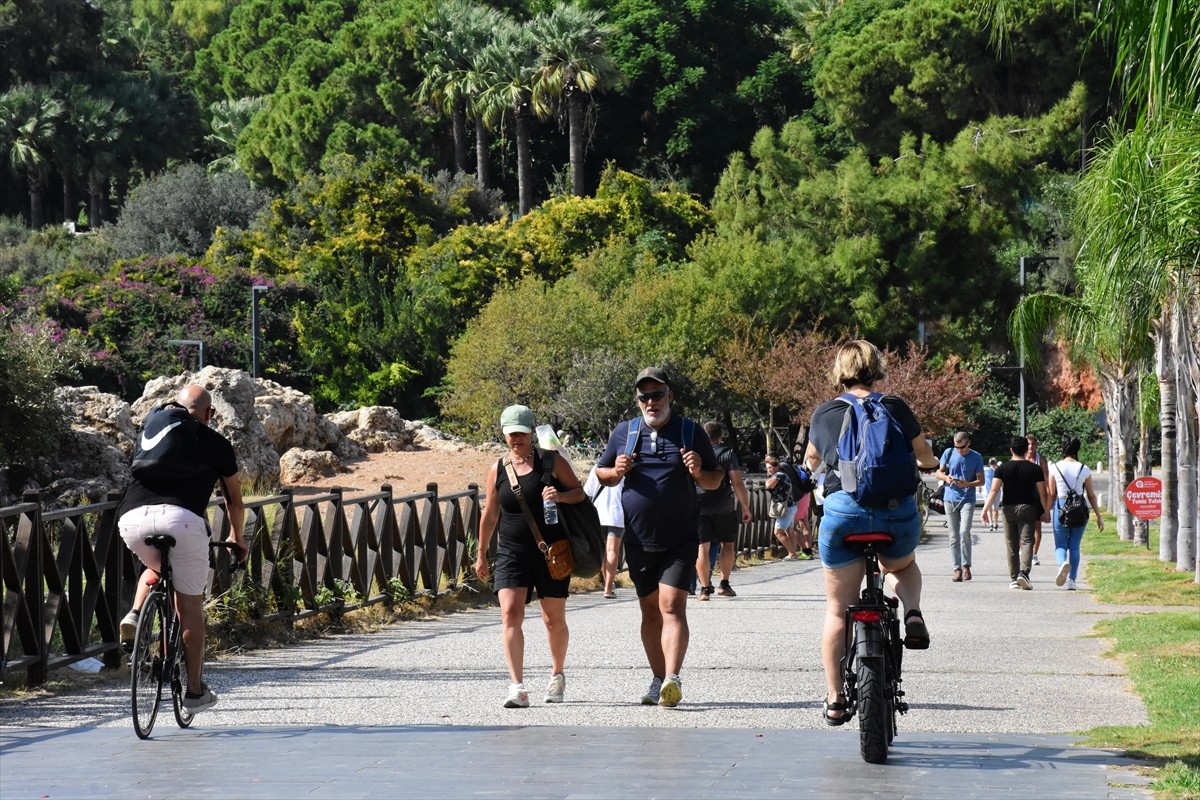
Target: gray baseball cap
(652, 374)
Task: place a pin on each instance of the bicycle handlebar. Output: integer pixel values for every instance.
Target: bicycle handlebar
(231, 546)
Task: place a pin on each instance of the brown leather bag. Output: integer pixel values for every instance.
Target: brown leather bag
(559, 559)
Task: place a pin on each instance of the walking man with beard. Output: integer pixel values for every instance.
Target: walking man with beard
(662, 457)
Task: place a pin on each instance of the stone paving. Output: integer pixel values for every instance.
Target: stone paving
(415, 710)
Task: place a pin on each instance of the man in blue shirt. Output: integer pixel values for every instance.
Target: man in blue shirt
(961, 468)
(662, 457)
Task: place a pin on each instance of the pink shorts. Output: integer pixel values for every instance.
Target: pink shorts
(189, 556)
(802, 506)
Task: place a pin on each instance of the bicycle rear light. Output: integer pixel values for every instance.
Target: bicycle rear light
(865, 616)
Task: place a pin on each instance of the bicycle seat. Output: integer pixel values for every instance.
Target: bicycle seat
(867, 538)
(160, 540)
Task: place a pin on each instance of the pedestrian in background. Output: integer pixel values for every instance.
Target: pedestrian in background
(989, 472)
(720, 518)
(780, 486)
(1035, 457)
(1070, 475)
(961, 469)
(1025, 500)
(607, 500)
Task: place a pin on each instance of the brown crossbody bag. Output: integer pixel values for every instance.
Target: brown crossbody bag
(559, 560)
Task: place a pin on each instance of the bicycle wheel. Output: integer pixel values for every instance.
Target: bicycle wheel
(874, 705)
(179, 678)
(146, 667)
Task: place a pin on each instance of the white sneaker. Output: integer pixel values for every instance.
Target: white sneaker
(1063, 570)
(671, 692)
(1035, 560)
(558, 685)
(1071, 585)
(1014, 585)
(651, 697)
(204, 702)
(518, 697)
(129, 626)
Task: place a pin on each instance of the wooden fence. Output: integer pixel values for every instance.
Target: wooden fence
(68, 577)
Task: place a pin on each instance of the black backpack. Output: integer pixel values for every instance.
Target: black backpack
(800, 485)
(1074, 511)
(168, 447)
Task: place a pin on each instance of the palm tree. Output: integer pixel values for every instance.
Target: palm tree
(510, 69)
(444, 59)
(227, 121)
(574, 66)
(29, 117)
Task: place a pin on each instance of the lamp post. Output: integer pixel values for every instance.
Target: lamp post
(254, 292)
(192, 343)
(1031, 260)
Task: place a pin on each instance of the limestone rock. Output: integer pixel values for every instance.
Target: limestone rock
(377, 429)
(298, 466)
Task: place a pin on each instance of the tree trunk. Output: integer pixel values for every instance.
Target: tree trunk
(1165, 371)
(483, 175)
(1120, 400)
(36, 204)
(458, 122)
(1145, 466)
(69, 211)
(576, 111)
(524, 162)
(1187, 365)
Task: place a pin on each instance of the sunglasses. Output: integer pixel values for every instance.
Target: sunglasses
(646, 397)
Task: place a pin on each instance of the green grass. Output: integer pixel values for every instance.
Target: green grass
(1161, 652)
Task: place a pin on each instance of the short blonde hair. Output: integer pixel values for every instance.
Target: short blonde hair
(858, 361)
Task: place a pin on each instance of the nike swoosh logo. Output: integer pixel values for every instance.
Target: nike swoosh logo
(150, 444)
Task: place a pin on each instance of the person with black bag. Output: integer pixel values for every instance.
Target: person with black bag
(1071, 481)
(514, 510)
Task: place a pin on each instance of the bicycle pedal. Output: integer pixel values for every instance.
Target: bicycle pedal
(902, 708)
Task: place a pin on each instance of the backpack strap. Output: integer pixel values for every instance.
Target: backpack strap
(632, 435)
(689, 433)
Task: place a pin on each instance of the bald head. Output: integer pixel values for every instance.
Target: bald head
(197, 401)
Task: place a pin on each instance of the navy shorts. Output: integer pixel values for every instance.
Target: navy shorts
(722, 527)
(649, 568)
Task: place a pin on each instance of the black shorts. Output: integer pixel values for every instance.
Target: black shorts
(649, 568)
(722, 527)
(514, 570)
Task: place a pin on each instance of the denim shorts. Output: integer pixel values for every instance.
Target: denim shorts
(843, 515)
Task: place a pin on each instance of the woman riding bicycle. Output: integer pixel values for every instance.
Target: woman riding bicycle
(857, 366)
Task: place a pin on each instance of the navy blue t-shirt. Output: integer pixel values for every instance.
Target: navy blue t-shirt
(662, 511)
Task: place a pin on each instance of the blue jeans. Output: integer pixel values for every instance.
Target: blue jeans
(959, 516)
(1067, 540)
(844, 515)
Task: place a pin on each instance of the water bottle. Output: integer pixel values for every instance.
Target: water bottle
(550, 510)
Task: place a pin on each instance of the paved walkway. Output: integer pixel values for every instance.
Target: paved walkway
(415, 710)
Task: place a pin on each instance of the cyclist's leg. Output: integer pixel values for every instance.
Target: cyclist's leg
(841, 591)
(190, 608)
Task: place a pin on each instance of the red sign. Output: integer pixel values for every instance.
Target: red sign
(1143, 498)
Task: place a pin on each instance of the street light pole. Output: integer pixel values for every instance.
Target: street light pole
(254, 292)
(1021, 350)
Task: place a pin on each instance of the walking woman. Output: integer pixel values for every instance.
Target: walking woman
(1069, 475)
(520, 567)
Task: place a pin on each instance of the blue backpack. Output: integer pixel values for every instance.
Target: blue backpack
(876, 463)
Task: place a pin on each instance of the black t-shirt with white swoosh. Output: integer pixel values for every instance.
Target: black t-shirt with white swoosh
(216, 453)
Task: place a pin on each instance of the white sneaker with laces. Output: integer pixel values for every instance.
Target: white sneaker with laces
(651, 697)
(1035, 560)
(1014, 585)
(558, 685)
(1063, 570)
(518, 696)
(1071, 585)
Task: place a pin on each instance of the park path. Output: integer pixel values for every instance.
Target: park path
(1010, 675)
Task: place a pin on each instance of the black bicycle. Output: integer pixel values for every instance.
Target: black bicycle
(874, 650)
(157, 652)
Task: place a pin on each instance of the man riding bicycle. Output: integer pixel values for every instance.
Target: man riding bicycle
(178, 461)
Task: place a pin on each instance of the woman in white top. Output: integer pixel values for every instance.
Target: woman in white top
(1069, 474)
(607, 500)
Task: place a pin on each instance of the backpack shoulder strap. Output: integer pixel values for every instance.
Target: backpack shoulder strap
(631, 436)
(689, 433)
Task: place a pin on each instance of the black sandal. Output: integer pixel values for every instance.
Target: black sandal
(838, 707)
(916, 635)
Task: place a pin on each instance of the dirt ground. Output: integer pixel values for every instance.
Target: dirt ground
(408, 471)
